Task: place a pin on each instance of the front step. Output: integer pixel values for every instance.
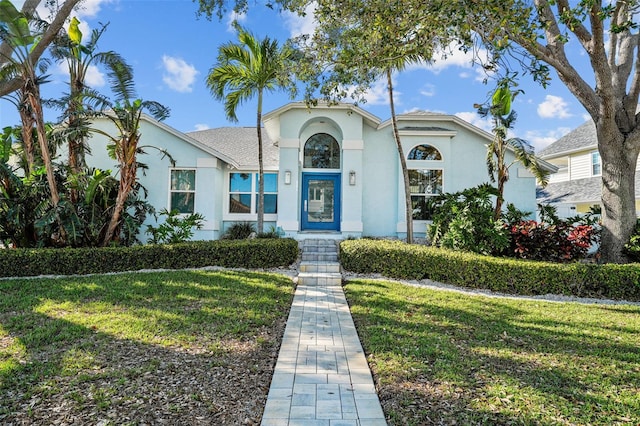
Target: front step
(319, 264)
(320, 267)
(320, 278)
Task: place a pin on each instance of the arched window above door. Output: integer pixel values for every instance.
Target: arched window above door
(424, 152)
(321, 151)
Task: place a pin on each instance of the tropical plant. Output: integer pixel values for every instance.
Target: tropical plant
(21, 34)
(246, 69)
(504, 118)
(61, 11)
(239, 231)
(176, 228)
(79, 58)
(125, 114)
(464, 221)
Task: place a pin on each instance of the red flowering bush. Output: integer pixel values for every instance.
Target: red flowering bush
(558, 242)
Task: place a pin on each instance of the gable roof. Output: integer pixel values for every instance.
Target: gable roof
(581, 138)
(240, 144)
(587, 190)
(210, 149)
(408, 121)
(369, 118)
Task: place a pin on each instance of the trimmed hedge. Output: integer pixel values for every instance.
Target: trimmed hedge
(258, 253)
(396, 259)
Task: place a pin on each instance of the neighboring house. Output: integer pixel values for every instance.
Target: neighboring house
(330, 171)
(577, 185)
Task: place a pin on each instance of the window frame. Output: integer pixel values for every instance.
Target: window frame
(426, 145)
(338, 153)
(423, 194)
(253, 195)
(596, 166)
(187, 191)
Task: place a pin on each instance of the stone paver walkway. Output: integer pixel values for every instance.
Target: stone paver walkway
(321, 377)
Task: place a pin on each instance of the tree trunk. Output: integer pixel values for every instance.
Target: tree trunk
(260, 225)
(128, 175)
(33, 95)
(403, 163)
(618, 193)
(27, 139)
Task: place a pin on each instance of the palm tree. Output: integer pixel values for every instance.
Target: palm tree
(125, 114)
(247, 69)
(79, 57)
(503, 120)
(16, 33)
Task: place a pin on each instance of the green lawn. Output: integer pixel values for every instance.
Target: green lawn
(118, 347)
(441, 357)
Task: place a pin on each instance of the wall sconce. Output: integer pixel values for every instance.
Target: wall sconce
(287, 177)
(352, 177)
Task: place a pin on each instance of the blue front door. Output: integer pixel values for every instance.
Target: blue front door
(320, 202)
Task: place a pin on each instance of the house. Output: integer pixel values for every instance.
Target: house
(577, 185)
(329, 170)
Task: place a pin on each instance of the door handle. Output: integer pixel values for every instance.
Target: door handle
(305, 205)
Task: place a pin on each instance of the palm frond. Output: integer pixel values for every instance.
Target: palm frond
(120, 76)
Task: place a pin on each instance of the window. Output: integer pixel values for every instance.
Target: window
(424, 152)
(243, 193)
(321, 151)
(596, 164)
(424, 184)
(183, 191)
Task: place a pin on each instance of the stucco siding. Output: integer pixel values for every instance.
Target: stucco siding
(380, 184)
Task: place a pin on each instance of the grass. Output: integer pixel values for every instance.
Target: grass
(65, 337)
(441, 357)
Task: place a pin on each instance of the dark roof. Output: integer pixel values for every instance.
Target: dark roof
(575, 191)
(239, 144)
(583, 136)
(425, 128)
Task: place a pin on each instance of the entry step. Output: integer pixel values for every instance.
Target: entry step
(320, 267)
(319, 278)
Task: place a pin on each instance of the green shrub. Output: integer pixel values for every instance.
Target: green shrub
(465, 221)
(400, 260)
(632, 248)
(262, 253)
(239, 231)
(176, 228)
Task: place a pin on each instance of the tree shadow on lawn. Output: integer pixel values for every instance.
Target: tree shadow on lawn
(183, 348)
(439, 357)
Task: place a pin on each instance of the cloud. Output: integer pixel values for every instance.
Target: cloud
(201, 126)
(541, 140)
(428, 90)
(301, 25)
(235, 17)
(475, 119)
(178, 75)
(91, 8)
(378, 93)
(554, 107)
(94, 77)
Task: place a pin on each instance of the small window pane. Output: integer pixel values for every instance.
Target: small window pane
(420, 206)
(240, 203)
(424, 152)
(321, 151)
(183, 180)
(183, 202)
(270, 203)
(270, 182)
(240, 182)
(425, 182)
(596, 165)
